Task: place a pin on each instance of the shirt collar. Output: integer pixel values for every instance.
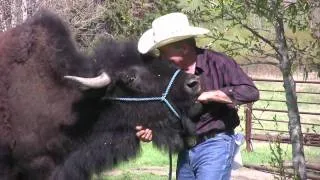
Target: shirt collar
(199, 69)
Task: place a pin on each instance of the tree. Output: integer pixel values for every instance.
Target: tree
(6, 17)
(268, 30)
(89, 19)
(315, 18)
(130, 18)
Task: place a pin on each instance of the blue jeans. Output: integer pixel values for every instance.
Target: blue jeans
(209, 160)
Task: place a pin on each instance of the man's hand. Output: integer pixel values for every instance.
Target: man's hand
(144, 134)
(214, 96)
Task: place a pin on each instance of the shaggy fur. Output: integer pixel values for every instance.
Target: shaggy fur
(49, 129)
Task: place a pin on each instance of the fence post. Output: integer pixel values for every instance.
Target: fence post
(248, 117)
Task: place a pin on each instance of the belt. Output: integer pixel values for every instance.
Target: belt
(192, 141)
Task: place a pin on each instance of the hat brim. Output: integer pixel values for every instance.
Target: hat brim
(147, 43)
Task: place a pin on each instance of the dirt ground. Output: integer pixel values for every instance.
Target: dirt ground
(250, 174)
(239, 174)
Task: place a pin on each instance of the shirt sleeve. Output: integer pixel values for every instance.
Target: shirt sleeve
(237, 84)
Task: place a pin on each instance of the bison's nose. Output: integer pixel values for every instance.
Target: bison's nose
(192, 85)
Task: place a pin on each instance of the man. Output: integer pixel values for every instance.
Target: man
(225, 86)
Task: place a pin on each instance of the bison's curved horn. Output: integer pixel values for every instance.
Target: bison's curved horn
(96, 82)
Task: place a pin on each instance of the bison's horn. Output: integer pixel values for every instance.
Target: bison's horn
(96, 82)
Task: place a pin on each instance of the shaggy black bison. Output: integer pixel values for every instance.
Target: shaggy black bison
(57, 116)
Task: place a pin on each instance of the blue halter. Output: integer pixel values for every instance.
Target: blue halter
(162, 98)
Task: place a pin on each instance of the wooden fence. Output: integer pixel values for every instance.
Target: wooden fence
(310, 138)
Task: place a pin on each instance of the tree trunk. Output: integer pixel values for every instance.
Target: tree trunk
(24, 9)
(34, 6)
(291, 100)
(294, 127)
(314, 18)
(6, 14)
(16, 12)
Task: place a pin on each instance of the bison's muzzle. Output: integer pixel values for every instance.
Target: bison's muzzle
(192, 85)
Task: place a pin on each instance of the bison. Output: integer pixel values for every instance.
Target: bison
(58, 116)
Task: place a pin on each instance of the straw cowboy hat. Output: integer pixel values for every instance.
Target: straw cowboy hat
(167, 29)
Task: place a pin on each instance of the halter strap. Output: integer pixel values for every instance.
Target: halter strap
(161, 98)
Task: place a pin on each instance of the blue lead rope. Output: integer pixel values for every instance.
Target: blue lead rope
(162, 98)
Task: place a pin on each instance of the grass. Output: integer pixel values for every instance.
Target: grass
(151, 164)
(150, 156)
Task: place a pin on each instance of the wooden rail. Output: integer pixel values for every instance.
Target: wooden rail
(309, 139)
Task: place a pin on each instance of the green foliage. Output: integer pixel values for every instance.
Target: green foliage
(247, 29)
(129, 19)
(297, 16)
(120, 19)
(278, 157)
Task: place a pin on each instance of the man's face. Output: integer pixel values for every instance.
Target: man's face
(173, 52)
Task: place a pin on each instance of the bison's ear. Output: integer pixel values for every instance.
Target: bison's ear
(149, 57)
(95, 82)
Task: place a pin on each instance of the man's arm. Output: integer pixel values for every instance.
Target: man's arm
(239, 86)
(214, 96)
